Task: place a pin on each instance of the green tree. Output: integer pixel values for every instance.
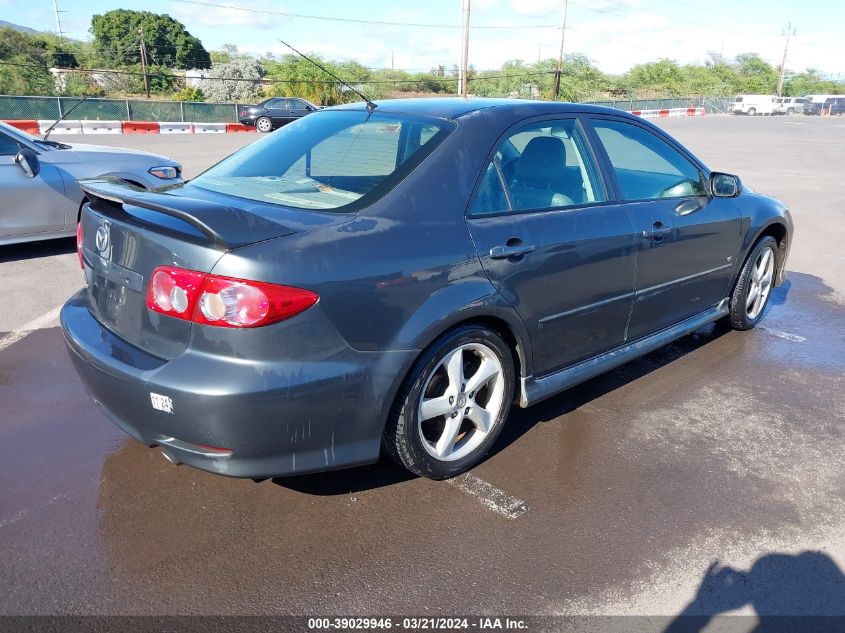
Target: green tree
(118, 34)
(757, 76)
(26, 59)
(189, 93)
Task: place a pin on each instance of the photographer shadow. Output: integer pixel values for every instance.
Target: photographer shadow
(803, 592)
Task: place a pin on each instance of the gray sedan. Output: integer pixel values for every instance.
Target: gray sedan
(392, 277)
(40, 198)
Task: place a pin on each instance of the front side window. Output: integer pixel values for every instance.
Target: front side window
(330, 160)
(8, 145)
(647, 167)
(543, 165)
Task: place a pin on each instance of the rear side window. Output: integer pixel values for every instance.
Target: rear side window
(329, 160)
(541, 166)
(647, 167)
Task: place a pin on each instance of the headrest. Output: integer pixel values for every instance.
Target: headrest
(543, 159)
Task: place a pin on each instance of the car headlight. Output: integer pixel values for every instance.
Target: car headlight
(164, 172)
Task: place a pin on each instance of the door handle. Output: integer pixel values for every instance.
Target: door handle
(657, 232)
(510, 250)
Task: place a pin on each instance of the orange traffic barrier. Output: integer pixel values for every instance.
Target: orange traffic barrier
(238, 127)
(663, 113)
(140, 127)
(27, 125)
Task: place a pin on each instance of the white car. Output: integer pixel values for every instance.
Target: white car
(40, 197)
(790, 105)
(753, 104)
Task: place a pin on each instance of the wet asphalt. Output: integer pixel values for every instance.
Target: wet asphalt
(724, 447)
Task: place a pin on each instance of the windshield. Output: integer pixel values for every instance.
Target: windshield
(335, 159)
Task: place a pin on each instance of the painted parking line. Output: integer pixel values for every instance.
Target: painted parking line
(795, 338)
(38, 323)
(490, 496)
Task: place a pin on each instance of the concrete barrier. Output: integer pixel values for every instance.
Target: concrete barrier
(669, 113)
(68, 126)
(30, 126)
(209, 128)
(175, 127)
(139, 127)
(239, 127)
(102, 127)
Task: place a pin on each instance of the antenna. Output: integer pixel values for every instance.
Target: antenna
(370, 105)
(61, 118)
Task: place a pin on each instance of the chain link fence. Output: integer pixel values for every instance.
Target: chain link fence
(713, 105)
(50, 108)
(14, 107)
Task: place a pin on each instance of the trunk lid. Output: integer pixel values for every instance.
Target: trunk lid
(128, 232)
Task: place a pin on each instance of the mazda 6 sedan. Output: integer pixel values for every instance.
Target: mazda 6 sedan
(392, 279)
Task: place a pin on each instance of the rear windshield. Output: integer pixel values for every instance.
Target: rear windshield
(330, 160)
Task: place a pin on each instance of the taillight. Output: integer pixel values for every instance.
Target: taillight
(243, 113)
(223, 301)
(79, 245)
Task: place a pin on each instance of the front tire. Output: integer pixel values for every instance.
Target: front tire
(264, 125)
(754, 286)
(752, 112)
(453, 404)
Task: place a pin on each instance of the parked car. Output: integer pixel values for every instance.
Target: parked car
(753, 104)
(40, 198)
(831, 105)
(790, 105)
(391, 281)
(273, 113)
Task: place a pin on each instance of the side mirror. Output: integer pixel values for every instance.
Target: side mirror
(724, 185)
(28, 162)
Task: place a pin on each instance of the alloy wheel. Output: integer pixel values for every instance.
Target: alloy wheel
(461, 401)
(760, 283)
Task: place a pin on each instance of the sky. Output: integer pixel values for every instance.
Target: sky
(614, 34)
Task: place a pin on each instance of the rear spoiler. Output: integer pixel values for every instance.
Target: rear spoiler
(226, 227)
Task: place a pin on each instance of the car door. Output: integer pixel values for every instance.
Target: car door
(277, 110)
(29, 205)
(688, 240)
(552, 244)
(298, 109)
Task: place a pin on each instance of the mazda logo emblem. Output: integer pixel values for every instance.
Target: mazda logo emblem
(102, 239)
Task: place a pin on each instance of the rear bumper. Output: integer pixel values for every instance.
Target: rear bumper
(247, 120)
(275, 419)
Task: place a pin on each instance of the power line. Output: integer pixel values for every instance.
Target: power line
(326, 18)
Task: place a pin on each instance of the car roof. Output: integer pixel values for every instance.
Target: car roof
(454, 107)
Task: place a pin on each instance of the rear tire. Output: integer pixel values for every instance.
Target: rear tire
(752, 112)
(453, 404)
(790, 111)
(754, 287)
(264, 125)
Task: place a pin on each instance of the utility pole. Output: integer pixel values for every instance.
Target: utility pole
(58, 20)
(556, 87)
(392, 58)
(143, 49)
(465, 60)
(787, 33)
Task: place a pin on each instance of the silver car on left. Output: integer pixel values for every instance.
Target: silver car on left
(40, 197)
